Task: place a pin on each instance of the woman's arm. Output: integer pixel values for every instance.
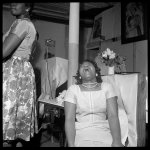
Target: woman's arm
(10, 44)
(70, 111)
(112, 111)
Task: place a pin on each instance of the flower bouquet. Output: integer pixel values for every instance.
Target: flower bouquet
(111, 59)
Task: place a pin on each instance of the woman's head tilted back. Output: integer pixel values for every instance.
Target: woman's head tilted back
(21, 9)
(88, 72)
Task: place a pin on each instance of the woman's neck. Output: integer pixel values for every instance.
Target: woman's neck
(22, 17)
(89, 82)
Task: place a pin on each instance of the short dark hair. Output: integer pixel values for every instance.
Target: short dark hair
(31, 6)
(97, 69)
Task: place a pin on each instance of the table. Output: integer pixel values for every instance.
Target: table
(54, 119)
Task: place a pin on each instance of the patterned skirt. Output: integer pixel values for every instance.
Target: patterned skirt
(19, 100)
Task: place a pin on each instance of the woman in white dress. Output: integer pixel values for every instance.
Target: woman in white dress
(91, 111)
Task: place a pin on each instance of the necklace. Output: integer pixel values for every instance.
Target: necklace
(91, 86)
(23, 18)
(89, 83)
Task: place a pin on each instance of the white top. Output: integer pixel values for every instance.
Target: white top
(91, 112)
(91, 105)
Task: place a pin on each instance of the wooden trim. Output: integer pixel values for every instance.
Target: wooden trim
(141, 111)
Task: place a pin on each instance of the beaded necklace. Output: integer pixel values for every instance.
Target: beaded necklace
(85, 85)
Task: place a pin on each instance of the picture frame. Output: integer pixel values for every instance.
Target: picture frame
(134, 22)
(97, 28)
(95, 36)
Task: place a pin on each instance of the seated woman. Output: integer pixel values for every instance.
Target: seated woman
(91, 111)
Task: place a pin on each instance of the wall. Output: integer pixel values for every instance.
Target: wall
(54, 31)
(141, 60)
(136, 53)
(7, 20)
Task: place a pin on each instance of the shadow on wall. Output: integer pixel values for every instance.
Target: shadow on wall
(35, 56)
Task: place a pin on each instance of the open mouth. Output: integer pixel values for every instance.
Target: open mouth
(86, 69)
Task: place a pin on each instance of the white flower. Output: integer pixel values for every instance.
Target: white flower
(104, 54)
(61, 96)
(112, 56)
(63, 93)
(108, 51)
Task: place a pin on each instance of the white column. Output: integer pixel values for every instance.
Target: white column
(73, 52)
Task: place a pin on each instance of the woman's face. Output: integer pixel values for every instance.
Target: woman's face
(87, 72)
(18, 9)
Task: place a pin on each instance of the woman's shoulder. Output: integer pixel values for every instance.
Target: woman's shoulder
(105, 85)
(28, 25)
(73, 87)
(25, 22)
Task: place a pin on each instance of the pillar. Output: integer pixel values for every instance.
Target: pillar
(73, 52)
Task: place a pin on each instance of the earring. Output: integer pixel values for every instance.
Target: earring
(80, 77)
(27, 10)
(96, 74)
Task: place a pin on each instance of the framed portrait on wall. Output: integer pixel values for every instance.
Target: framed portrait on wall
(133, 22)
(94, 40)
(97, 28)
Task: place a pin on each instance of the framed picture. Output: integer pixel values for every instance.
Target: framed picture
(133, 22)
(97, 28)
(94, 40)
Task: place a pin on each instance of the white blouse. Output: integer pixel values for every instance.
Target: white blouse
(91, 111)
(91, 105)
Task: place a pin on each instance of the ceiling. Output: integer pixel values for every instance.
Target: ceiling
(59, 12)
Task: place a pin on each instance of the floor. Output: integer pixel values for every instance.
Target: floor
(48, 136)
(46, 141)
(43, 139)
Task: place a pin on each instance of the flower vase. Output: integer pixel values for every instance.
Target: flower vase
(111, 70)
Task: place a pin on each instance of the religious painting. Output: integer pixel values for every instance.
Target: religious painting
(133, 22)
(97, 28)
(95, 37)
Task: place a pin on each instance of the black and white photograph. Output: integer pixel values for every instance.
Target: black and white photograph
(75, 74)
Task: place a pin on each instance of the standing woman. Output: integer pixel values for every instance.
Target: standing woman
(19, 99)
(91, 111)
